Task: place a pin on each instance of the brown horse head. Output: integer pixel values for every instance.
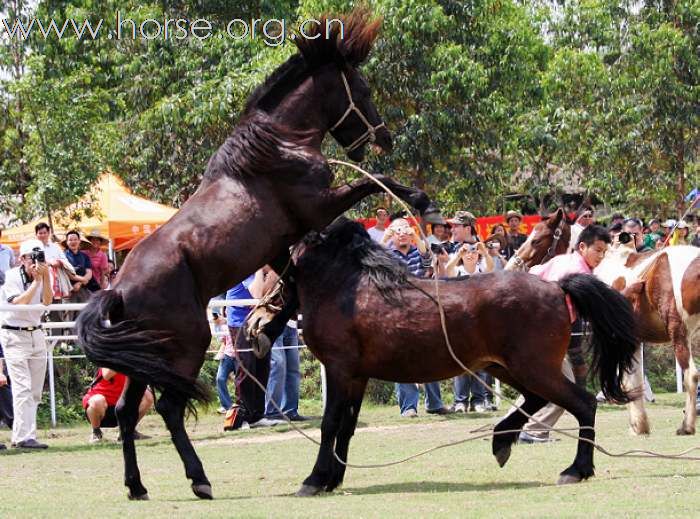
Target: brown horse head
(329, 94)
(548, 238)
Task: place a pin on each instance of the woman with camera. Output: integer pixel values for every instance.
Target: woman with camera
(469, 259)
(23, 339)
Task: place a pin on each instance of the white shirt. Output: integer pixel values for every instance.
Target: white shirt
(375, 234)
(13, 287)
(6, 259)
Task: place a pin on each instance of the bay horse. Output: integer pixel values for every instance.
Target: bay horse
(366, 317)
(664, 289)
(266, 186)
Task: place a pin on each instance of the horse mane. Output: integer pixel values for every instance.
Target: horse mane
(259, 144)
(342, 40)
(347, 252)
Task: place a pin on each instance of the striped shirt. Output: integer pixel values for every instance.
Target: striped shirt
(412, 260)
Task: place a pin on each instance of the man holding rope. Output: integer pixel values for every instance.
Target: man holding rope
(23, 338)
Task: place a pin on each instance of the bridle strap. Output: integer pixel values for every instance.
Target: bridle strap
(551, 251)
(369, 135)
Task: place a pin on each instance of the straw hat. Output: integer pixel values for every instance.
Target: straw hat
(84, 244)
(95, 233)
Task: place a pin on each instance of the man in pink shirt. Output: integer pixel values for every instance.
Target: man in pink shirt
(587, 255)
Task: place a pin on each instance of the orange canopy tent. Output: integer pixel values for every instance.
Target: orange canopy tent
(120, 216)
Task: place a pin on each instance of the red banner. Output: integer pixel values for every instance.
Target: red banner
(484, 225)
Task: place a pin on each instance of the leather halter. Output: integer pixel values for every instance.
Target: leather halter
(551, 251)
(369, 135)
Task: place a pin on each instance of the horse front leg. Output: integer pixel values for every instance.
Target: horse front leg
(350, 413)
(127, 411)
(633, 383)
(681, 345)
(172, 409)
(330, 425)
(263, 331)
(334, 202)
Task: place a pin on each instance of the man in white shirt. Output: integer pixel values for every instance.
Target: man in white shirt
(23, 339)
(7, 259)
(377, 232)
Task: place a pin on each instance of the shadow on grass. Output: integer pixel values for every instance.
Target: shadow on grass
(427, 487)
(413, 487)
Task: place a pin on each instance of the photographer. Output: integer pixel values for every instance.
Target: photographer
(21, 334)
(470, 258)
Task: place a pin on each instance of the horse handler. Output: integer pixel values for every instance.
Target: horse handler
(590, 250)
(23, 340)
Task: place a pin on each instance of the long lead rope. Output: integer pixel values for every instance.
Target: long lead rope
(479, 432)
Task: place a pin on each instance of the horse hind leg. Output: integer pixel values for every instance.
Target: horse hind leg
(634, 384)
(127, 411)
(172, 408)
(503, 441)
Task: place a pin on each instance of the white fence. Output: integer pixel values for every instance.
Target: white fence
(54, 325)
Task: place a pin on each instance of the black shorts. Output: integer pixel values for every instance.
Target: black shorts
(109, 419)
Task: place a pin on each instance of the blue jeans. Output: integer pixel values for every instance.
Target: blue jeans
(285, 377)
(227, 365)
(407, 395)
(465, 385)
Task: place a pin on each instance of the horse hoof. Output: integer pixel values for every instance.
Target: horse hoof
(308, 491)
(502, 455)
(568, 479)
(142, 497)
(261, 345)
(202, 491)
(682, 431)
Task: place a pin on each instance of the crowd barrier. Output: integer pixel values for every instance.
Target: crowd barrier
(214, 303)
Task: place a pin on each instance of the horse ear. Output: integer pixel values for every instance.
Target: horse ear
(558, 215)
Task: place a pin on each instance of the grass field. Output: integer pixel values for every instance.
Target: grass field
(254, 473)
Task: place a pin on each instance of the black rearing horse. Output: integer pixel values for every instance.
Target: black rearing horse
(265, 187)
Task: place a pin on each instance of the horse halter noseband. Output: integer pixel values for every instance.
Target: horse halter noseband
(551, 251)
(369, 135)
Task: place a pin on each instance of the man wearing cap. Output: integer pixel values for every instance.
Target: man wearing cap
(513, 236)
(25, 347)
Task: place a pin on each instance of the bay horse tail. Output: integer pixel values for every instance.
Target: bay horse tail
(614, 340)
(131, 348)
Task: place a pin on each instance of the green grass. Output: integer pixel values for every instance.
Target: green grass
(254, 473)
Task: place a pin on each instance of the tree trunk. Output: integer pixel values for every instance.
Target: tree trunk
(679, 160)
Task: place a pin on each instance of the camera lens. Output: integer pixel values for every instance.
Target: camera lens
(624, 237)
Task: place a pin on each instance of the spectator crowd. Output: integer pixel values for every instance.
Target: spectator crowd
(69, 271)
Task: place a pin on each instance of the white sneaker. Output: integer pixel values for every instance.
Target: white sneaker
(480, 408)
(267, 422)
(410, 413)
(460, 407)
(96, 436)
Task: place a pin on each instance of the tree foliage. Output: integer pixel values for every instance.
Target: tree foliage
(485, 98)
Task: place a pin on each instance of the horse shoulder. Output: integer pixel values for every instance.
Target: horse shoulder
(690, 289)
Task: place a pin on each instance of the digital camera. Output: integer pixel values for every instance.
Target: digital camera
(625, 237)
(38, 255)
(438, 248)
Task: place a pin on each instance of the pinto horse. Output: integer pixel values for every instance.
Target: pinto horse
(266, 186)
(365, 316)
(664, 289)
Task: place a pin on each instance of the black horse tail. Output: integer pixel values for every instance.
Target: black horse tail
(614, 340)
(129, 347)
